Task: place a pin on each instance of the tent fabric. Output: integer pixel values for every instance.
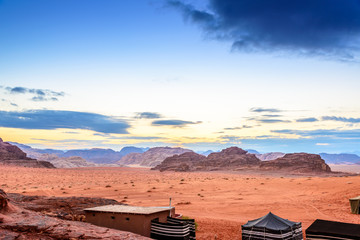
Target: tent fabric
(271, 226)
(323, 229)
(272, 222)
(169, 231)
(191, 223)
(355, 204)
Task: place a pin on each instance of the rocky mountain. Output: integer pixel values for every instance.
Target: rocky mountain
(297, 162)
(151, 157)
(342, 158)
(12, 155)
(270, 156)
(235, 158)
(181, 163)
(232, 158)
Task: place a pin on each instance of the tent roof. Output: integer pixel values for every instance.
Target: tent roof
(339, 229)
(355, 198)
(272, 222)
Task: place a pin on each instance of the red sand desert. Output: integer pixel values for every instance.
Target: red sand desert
(220, 202)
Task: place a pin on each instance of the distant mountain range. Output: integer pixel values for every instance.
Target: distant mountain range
(94, 155)
(342, 158)
(150, 157)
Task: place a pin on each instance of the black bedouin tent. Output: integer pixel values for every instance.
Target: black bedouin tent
(271, 226)
(169, 231)
(322, 229)
(191, 223)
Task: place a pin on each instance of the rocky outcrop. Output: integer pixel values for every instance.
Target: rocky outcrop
(181, 163)
(270, 156)
(9, 152)
(233, 158)
(151, 157)
(297, 163)
(12, 155)
(3, 201)
(67, 208)
(17, 222)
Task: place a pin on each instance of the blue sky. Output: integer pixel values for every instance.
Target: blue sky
(269, 75)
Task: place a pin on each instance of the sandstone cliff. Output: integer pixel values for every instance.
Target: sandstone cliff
(151, 157)
(228, 159)
(181, 163)
(237, 159)
(297, 162)
(12, 155)
(232, 157)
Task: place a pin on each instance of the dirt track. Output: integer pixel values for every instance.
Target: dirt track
(220, 202)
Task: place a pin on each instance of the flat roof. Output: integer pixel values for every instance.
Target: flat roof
(128, 209)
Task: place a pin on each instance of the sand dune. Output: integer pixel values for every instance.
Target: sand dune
(220, 202)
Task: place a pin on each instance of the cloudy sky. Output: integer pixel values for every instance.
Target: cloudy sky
(271, 75)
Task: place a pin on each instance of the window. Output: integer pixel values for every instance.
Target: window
(112, 217)
(127, 219)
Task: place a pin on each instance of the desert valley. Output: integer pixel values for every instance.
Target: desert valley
(179, 119)
(221, 191)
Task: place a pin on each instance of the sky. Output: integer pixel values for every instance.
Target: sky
(270, 75)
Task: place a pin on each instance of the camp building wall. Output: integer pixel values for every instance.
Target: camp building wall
(136, 223)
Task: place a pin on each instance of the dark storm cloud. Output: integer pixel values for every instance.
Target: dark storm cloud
(52, 119)
(327, 28)
(341, 119)
(173, 123)
(148, 115)
(40, 95)
(311, 119)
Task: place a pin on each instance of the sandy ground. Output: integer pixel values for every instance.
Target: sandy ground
(220, 202)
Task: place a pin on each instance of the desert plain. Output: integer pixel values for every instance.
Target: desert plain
(219, 201)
